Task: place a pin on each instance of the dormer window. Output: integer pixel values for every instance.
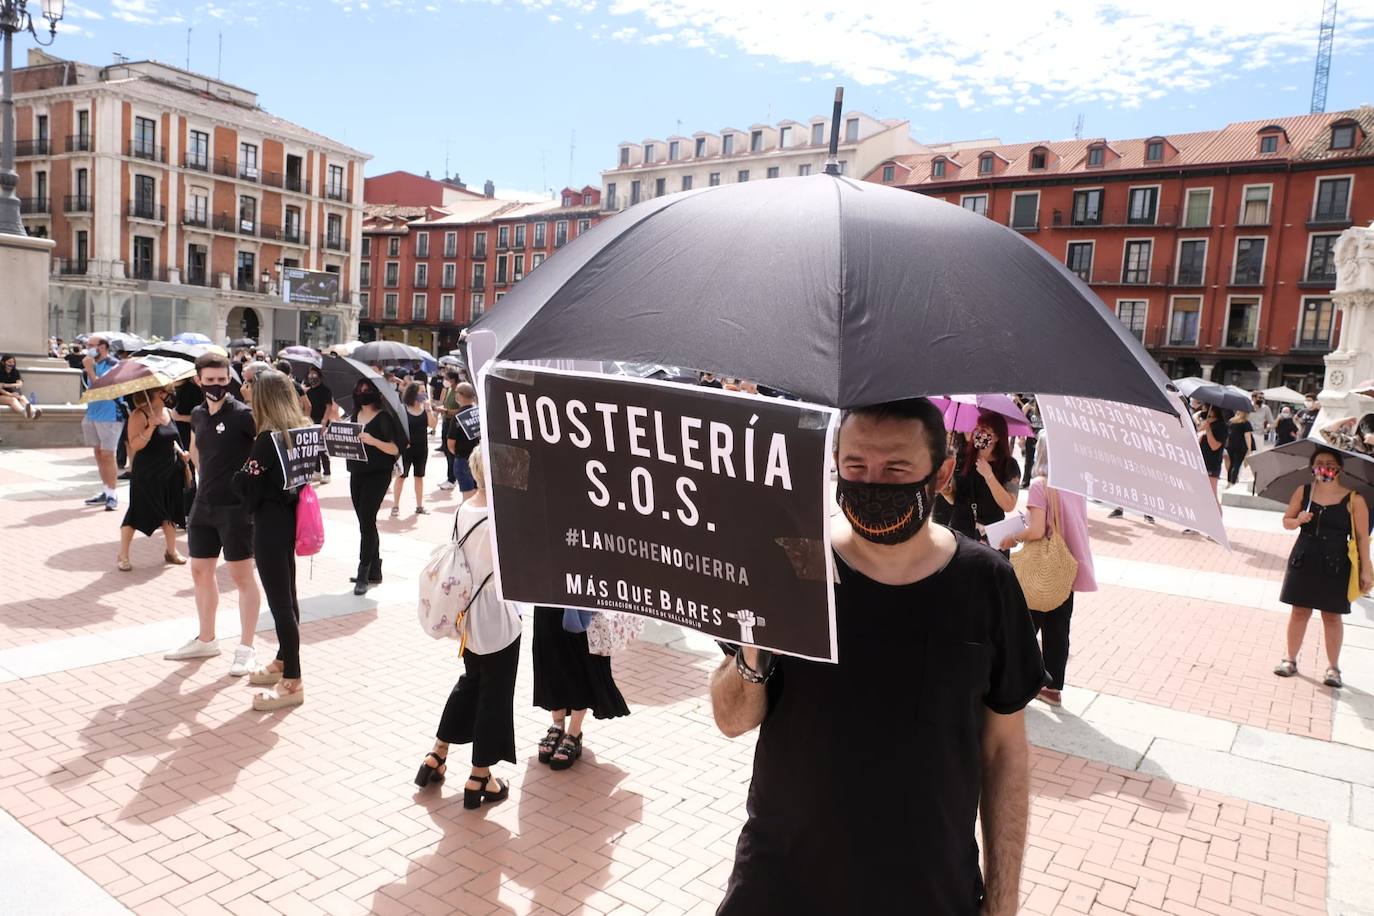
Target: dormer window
(700, 148)
(727, 144)
(1038, 157)
(937, 169)
(624, 155)
(1343, 135)
(567, 200)
(1096, 156)
(1269, 143)
(985, 164)
(889, 173)
(648, 152)
(1154, 150)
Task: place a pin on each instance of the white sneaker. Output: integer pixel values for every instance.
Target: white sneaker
(194, 648)
(446, 485)
(245, 661)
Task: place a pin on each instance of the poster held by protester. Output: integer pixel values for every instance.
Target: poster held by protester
(1139, 459)
(299, 452)
(344, 441)
(698, 507)
(470, 422)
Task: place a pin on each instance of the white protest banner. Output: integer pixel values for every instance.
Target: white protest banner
(1139, 459)
(299, 453)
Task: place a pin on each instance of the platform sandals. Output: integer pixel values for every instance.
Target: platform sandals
(476, 798)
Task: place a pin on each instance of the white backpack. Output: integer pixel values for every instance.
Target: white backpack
(448, 589)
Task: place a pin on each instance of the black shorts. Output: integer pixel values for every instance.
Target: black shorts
(213, 529)
(417, 458)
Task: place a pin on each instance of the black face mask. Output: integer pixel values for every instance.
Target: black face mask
(885, 513)
(311, 381)
(365, 397)
(215, 392)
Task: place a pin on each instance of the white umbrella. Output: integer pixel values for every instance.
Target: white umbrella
(1284, 395)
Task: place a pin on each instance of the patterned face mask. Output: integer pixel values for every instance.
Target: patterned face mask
(1325, 474)
(983, 439)
(885, 513)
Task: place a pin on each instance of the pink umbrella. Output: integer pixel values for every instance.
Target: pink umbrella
(961, 412)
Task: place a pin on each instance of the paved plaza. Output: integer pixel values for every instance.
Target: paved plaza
(1180, 776)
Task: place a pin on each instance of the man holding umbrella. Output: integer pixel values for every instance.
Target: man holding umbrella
(101, 428)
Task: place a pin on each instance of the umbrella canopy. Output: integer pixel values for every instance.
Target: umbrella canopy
(119, 340)
(1227, 397)
(344, 349)
(188, 352)
(300, 354)
(138, 374)
(191, 337)
(1284, 395)
(387, 351)
(862, 293)
(456, 362)
(341, 373)
(239, 342)
(1281, 470)
(962, 410)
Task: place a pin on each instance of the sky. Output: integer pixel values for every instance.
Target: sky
(537, 94)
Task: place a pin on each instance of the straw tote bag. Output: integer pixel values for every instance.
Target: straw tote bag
(1045, 568)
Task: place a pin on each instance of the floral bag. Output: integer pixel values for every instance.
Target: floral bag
(610, 631)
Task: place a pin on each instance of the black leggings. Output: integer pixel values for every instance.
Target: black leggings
(1237, 456)
(274, 550)
(481, 708)
(1053, 627)
(368, 490)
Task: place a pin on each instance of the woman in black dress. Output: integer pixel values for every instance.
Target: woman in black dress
(1240, 441)
(415, 455)
(986, 481)
(160, 476)
(1326, 515)
(370, 479)
(1212, 437)
(568, 681)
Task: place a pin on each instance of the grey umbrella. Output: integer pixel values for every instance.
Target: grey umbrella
(341, 373)
(1281, 470)
(385, 351)
(1227, 397)
(840, 291)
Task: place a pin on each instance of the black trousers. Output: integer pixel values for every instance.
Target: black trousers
(274, 550)
(324, 463)
(1053, 627)
(368, 490)
(1030, 462)
(1237, 456)
(481, 709)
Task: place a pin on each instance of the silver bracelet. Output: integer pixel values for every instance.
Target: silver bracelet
(748, 673)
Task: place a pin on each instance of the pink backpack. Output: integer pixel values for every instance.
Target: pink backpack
(309, 523)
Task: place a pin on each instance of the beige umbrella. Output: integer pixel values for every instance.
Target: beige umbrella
(140, 373)
(1284, 395)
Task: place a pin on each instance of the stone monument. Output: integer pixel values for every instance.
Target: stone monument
(1351, 364)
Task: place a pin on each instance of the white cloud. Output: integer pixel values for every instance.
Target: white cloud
(75, 11)
(140, 12)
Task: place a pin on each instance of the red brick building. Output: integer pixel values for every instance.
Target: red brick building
(429, 270)
(1214, 247)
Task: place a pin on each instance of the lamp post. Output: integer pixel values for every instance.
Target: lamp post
(14, 17)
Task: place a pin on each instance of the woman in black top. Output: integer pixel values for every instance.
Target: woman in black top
(985, 483)
(369, 479)
(12, 388)
(1240, 441)
(1212, 438)
(1285, 427)
(160, 477)
(415, 455)
(319, 406)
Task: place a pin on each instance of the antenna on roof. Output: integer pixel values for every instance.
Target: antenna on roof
(1078, 128)
(188, 47)
(120, 58)
(832, 161)
(572, 148)
(219, 62)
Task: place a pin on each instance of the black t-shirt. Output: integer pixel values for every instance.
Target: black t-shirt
(320, 398)
(1285, 430)
(1235, 435)
(973, 502)
(223, 440)
(1306, 418)
(10, 376)
(382, 427)
(919, 666)
(466, 445)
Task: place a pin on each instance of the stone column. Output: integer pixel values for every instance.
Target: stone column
(24, 265)
(1205, 368)
(1352, 362)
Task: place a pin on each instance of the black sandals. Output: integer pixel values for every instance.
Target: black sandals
(549, 743)
(569, 749)
(429, 774)
(476, 798)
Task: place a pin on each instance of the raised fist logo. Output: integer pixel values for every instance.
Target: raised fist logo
(747, 620)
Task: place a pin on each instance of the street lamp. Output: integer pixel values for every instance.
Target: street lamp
(14, 17)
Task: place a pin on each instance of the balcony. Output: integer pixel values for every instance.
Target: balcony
(518, 244)
(195, 220)
(69, 267)
(1318, 279)
(334, 243)
(292, 235)
(501, 280)
(479, 286)
(1251, 220)
(224, 168)
(1191, 276)
(246, 226)
(139, 149)
(146, 273)
(1129, 276)
(295, 183)
(334, 192)
(270, 232)
(1023, 227)
(503, 245)
(80, 143)
(249, 171)
(199, 162)
(193, 278)
(1330, 219)
(224, 223)
(143, 209)
(1244, 275)
(1240, 340)
(77, 203)
(35, 205)
(39, 147)
(1109, 218)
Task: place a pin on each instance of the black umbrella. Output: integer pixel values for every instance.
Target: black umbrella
(1227, 397)
(188, 352)
(385, 351)
(841, 291)
(341, 373)
(1281, 470)
(239, 342)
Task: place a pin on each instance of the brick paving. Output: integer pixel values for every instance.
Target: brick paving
(1253, 554)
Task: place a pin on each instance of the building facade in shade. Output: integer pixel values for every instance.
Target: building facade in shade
(428, 271)
(1214, 248)
(176, 202)
(656, 167)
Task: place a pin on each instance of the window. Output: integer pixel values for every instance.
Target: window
(198, 150)
(817, 134)
(1132, 314)
(365, 303)
(518, 269)
(772, 171)
(449, 279)
(83, 129)
(536, 259)
(502, 238)
(479, 276)
(727, 144)
(422, 275)
(1025, 210)
(541, 235)
(478, 306)
(1333, 198)
(367, 245)
(1321, 262)
(1314, 330)
(40, 189)
(247, 275)
(144, 194)
(333, 231)
(742, 175)
(336, 182)
(1343, 136)
(648, 152)
(1269, 143)
(145, 138)
(978, 203)
(520, 236)
(560, 233)
(587, 199)
(1184, 321)
(391, 306)
(699, 147)
(660, 187)
(422, 244)
(501, 272)
(446, 307)
(624, 156)
(393, 246)
(1096, 156)
(1135, 267)
(1154, 151)
(756, 141)
(419, 304)
(674, 148)
(686, 182)
(1038, 158)
(248, 214)
(1197, 210)
(143, 257)
(293, 224)
(851, 130)
(713, 179)
(1144, 205)
(199, 214)
(365, 273)
(1080, 259)
(248, 161)
(82, 249)
(1254, 208)
(634, 193)
(784, 137)
(83, 187)
(610, 195)
(804, 169)
(1242, 322)
(1087, 207)
(583, 225)
(889, 172)
(479, 244)
(40, 132)
(985, 164)
(1192, 262)
(937, 168)
(1249, 268)
(391, 276)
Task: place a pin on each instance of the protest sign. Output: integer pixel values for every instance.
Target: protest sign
(299, 453)
(694, 506)
(343, 440)
(470, 422)
(1139, 459)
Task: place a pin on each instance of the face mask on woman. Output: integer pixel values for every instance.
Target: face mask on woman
(1325, 474)
(983, 439)
(364, 397)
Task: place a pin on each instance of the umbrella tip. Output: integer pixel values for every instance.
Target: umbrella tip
(832, 161)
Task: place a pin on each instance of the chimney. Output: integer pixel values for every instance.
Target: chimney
(426, 173)
(489, 189)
